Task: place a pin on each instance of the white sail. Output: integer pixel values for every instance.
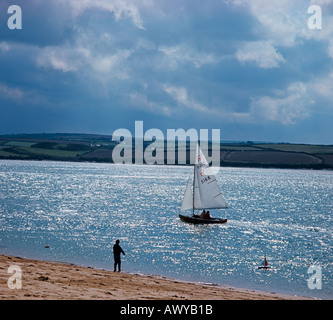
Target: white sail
(188, 199)
(207, 193)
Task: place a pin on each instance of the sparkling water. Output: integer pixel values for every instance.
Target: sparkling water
(80, 209)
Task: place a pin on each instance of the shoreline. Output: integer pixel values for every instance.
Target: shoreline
(47, 280)
(223, 165)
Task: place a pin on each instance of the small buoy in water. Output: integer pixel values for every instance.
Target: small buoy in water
(47, 247)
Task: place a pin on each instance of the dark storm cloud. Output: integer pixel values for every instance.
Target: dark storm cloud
(252, 69)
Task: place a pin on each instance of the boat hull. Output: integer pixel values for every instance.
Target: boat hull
(197, 220)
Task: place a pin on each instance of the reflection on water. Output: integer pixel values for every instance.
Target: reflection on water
(79, 209)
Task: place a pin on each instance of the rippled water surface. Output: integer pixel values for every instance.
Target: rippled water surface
(79, 209)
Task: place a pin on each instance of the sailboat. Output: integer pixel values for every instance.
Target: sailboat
(206, 193)
(265, 264)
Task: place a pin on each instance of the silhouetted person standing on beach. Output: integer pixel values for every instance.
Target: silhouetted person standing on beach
(116, 254)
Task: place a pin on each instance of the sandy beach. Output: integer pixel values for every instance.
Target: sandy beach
(61, 281)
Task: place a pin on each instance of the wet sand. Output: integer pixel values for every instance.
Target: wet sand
(61, 281)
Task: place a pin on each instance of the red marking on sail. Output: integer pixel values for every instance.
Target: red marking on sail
(266, 263)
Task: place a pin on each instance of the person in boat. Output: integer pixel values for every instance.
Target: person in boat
(116, 255)
(205, 215)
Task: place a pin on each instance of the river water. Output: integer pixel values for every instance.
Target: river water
(80, 209)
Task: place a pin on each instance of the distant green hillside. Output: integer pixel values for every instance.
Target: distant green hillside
(88, 147)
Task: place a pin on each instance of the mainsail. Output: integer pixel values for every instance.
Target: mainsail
(206, 193)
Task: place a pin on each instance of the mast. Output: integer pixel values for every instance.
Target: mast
(194, 176)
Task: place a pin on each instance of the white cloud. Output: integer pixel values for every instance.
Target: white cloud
(298, 101)
(22, 96)
(284, 22)
(280, 21)
(63, 58)
(322, 2)
(260, 52)
(140, 101)
(120, 8)
(84, 56)
(4, 46)
(183, 53)
(285, 107)
(14, 94)
(322, 87)
(110, 64)
(181, 96)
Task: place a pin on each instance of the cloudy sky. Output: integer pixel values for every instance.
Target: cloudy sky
(253, 69)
